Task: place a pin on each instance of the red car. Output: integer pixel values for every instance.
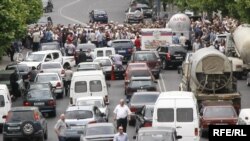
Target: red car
(217, 113)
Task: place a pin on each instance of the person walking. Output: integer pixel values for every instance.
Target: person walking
(69, 48)
(122, 115)
(120, 136)
(60, 128)
(137, 43)
(11, 52)
(68, 76)
(117, 58)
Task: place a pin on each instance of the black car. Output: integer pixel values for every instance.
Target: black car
(140, 84)
(22, 69)
(98, 16)
(144, 117)
(38, 86)
(138, 100)
(41, 98)
(25, 122)
(123, 47)
(172, 55)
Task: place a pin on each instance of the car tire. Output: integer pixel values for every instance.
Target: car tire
(248, 84)
(28, 128)
(131, 122)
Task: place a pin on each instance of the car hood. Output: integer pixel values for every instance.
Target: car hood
(30, 64)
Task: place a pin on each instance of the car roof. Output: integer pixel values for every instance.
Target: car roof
(90, 97)
(172, 45)
(137, 63)
(118, 40)
(141, 78)
(3, 86)
(17, 64)
(145, 93)
(145, 51)
(157, 129)
(101, 124)
(24, 108)
(84, 73)
(217, 103)
(138, 68)
(45, 51)
(47, 73)
(95, 10)
(245, 112)
(74, 108)
(6, 71)
(102, 58)
(176, 94)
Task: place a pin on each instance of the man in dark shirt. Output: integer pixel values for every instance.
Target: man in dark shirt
(13, 84)
(82, 57)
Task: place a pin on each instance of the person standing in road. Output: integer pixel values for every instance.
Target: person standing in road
(14, 85)
(137, 43)
(122, 115)
(68, 76)
(60, 128)
(82, 57)
(182, 39)
(32, 74)
(37, 36)
(11, 52)
(120, 136)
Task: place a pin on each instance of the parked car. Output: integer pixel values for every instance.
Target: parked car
(94, 101)
(77, 117)
(217, 113)
(51, 67)
(244, 117)
(157, 133)
(144, 117)
(55, 80)
(134, 15)
(172, 55)
(138, 100)
(88, 66)
(98, 16)
(151, 58)
(25, 122)
(99, 131)
(43, 99)
(123, 47)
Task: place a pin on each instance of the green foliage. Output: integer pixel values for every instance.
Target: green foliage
(15, 15)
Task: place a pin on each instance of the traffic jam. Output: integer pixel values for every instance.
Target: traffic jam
(83, 68)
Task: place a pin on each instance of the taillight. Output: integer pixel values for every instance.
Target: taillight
(92, 122)
(52, 102)
(196, 132)
(26, 103)
(58, 84)
(132, 109)
(36, 116)
(148, 124)
(168, 56)
(63, 72)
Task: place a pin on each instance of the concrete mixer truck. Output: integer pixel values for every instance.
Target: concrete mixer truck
(208, 74)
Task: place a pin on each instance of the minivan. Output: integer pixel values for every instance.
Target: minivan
(5, 103)
(178, 109)
(87, 83)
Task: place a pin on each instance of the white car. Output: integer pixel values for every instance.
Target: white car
(55, 80)
(54, 67)
(94, 101)
(106, 63)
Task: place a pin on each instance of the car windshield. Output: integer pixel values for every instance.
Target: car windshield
(5, 77)
(100, 130)
(141, 83)
(90, 102)
(145, 98)
(219, 112)
(78, 114)
(20, 116)
(51, 66)
(104, 62)
(135, 9)
(149, 112)
(47, 78)
(145, 57)
(139, 73)
(35, 57)
(39, 94)
(155, 136)
(122, 43)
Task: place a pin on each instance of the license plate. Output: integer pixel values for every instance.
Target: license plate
(121, 51)
(13, 128)
(141, 90)
(38, 103)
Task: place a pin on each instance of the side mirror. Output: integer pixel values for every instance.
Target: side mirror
(178, 137)
(4, 117)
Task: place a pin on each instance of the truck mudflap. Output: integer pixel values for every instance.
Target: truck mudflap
(235, 98)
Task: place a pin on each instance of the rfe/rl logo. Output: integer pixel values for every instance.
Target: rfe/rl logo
(229, 132)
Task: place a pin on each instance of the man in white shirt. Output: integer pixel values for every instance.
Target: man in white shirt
(120, 136)
(122, 115)
(182, 39)
(60, 128)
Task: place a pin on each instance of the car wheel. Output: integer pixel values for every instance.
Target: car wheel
(131, 122)
(164, 64)
(28, 128)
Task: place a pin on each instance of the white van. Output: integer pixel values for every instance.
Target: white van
(244, 117)
(104, 52)
(87, 83)
(5, 103)
(178, 109)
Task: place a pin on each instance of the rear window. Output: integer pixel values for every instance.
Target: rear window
(219, 112)
(122, 44)
(147, 98)
(104, 62)
(145, 56)
(99, 53)
(80, 86)
(95, 86)
(2, 102)
(141, 83)
(78, 114)
(184, 115)
(139, 73)
(51, 66)
(20, 115)
(47, 78)
(39, 94)
(165, 115)
(175, 50)
(108, 52)
(90, 102)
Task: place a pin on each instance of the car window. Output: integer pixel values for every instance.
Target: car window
(139, 73)
(55, 55)
(122, 44)
(91, 102)
(100, 130)
(80, 86)
(108, 52)
(99, 12)
(147, 98)
(95, 85)
(2, 102)
(39, 94)
(165, 115)
(47, 78)
(99, 53)
(78, 114)
(174, 50)
(155, 136)
(163, 49)
(51, 66)
(20, 115)
(184, 114)
(145, 57)
(140, 83)
(217, 112)
(48, 56)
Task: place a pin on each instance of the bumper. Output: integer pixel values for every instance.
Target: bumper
(104, 20)
(174, 63)
(20, 135)
(47, 109)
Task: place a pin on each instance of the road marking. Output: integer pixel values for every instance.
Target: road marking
(159, 85)
(69, 18)
(163, 83)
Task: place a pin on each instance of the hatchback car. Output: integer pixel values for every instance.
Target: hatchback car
(25, 122)
(157, 134)
(43, 99)
(99, 132)
(172, 55)
(98, 16)
(52, 67)
(77, 117)
(217, 113)
(55, 80)
(151, 58)
(88, 66)
(138, 100)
